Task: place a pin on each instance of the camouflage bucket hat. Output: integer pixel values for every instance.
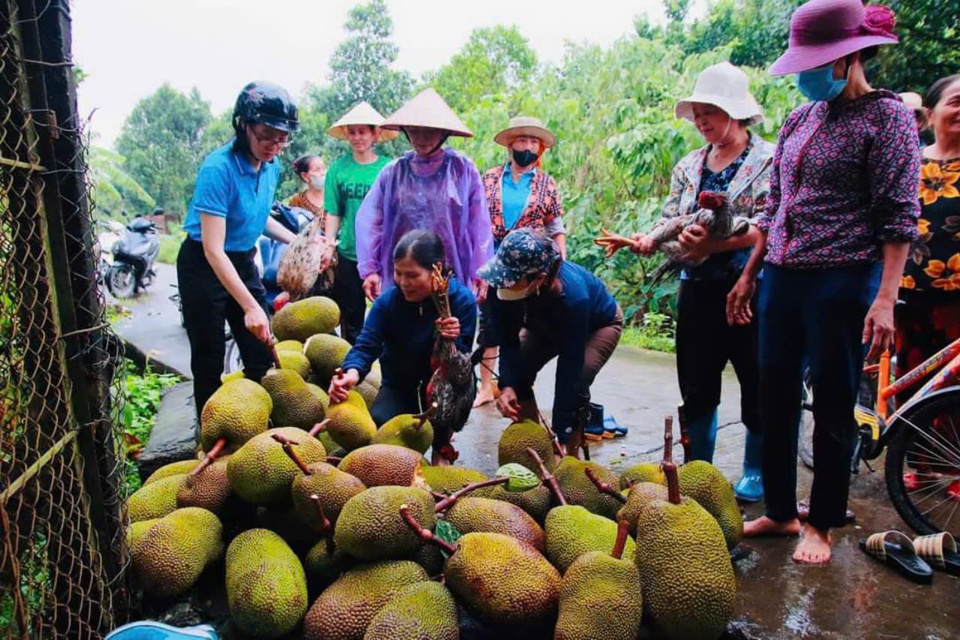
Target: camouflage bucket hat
(522, 253)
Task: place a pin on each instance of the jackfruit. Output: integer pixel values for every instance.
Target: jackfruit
(173, 553)
(172, 469)
(375, 377)
(136, 531)
(368, 392)
(261, 473)
(378, 465)
(304, 318)
(266, 584)
(332, 488)
(208, 490)
(578, 488)
(237, 411)
(449, 479)
(520, 477)
(295, 403)
(407, 430)
(350, 423)
(639, 498)
(430, 558)
(326, 354)
(155, 500)
(470, 515)
(345, 609)
(286, 522)
(295, 361)
(646, 472)
(705, 483)
(289, 345)
(517, 437)
(421, 611)
(325, 562)
(534, 501)
(328, 443)
(573, 531)
(370, 526)
(233, 375)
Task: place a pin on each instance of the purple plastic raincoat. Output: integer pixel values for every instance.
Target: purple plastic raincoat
(442, 193)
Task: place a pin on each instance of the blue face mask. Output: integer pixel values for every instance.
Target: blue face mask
(819, 84)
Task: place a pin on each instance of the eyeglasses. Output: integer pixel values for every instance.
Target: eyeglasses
(267, 141)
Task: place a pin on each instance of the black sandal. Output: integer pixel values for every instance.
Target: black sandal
(940, 551)
(896, 550)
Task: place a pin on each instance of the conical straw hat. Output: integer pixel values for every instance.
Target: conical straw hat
(363, 113)
(427, 110)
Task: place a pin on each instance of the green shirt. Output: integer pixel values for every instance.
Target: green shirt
(346, 185)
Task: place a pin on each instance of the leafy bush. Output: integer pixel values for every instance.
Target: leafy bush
(141, 401)
(170, 245)
(656, 332)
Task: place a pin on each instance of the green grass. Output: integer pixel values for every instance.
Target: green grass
(142, 393)
(170, 246)
(656, 332)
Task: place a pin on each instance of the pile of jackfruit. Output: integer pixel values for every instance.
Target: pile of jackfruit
(324, 527)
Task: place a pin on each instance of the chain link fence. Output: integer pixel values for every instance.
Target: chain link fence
(62, 542)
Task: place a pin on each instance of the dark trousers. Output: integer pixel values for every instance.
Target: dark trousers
(206, 305)
(393, 401)
(705, 343)
(348, 293)
(818, 313)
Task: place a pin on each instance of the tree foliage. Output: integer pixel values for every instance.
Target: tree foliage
(115, 190)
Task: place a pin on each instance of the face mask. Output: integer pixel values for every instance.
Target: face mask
(509, 295)
(819, 84)
(316, 182)
(524, 158)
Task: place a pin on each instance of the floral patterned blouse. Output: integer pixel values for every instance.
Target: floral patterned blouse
(934, 264)
(543, 211)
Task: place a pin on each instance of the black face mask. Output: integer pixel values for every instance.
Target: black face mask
(524, 158)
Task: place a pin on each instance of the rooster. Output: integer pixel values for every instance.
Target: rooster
(452, 387)
(300, 264)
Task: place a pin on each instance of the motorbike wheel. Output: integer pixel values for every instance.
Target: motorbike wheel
(232, 361)
(805, 445)
(121, 281)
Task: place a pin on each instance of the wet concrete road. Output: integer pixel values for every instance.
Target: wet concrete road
(853, 598)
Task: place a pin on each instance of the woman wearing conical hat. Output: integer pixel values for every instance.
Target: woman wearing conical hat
(433, 188)
(347, 183)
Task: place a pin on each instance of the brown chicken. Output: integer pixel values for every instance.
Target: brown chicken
(299, 266)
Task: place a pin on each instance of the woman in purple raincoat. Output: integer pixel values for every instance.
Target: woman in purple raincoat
(433, 188)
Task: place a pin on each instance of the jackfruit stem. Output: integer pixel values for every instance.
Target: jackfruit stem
(420, 418)
(604, 487)
(451, 500)
(317, 428)
(623, 530)
(547, 478)
(668, 439)
(326, 527)
(673, 481)
(288, 449)
(334, 460)
(425, 534)
(210, 458)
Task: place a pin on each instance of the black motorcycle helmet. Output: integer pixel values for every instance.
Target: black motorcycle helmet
(267, 103)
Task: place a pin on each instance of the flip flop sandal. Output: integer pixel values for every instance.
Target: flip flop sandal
(940, 551)
(896, 550)
(803, 511)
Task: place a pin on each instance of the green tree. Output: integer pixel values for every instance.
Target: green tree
(161, 142)
(115, 191)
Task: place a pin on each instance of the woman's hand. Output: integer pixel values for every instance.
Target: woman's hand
(878, 326)
(326, 259)
(508, 404)
(738, 301)
(341, 385)
(256, 322)
(483, 289)
(449, 327)
(371, 286)
(643, 245)
(695, 241)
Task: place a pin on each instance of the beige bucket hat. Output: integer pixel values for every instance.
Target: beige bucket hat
(361, 114)
(526, 126)
(428, 110)
(727, 87)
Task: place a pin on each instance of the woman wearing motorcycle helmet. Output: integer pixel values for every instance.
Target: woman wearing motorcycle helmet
(230, 209)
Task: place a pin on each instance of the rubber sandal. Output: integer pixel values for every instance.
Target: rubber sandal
(940, 551)
(803, 511)
(610, 425)
(896, 550)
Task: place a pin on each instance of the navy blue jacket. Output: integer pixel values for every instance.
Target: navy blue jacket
(401, 333)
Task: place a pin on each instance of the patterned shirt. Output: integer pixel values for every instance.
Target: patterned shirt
(543, 211)
(844, 181)
(934, 264)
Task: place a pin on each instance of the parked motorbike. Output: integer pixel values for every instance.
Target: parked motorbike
(133, 259)
(109, 233)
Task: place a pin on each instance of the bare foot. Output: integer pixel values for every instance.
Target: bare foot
(814, 548)
(764, 526)
(484, 396)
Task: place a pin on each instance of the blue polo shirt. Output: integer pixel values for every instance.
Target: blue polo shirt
(514, 196)
(229, 187)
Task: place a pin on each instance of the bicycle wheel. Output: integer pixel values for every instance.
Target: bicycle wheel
(923, 465)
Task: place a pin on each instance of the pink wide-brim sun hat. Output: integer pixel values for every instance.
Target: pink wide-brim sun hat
(823, 31)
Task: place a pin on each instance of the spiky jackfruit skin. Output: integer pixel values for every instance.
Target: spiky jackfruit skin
(173, 553)
(600, 599)
(406, 431)
(289, 345)
(261, 473)
(379, 465)
(573, 531)
(346, 608)
(155, 500)
(326, 354)
(172, 469)
(370, 526)
(295, 361)
(237, 411)
(646, 472)
(266, 584)
(578, 489)
(208, 490)
(705, 483)
(332, 486)
(688, 582)
(450, 479)
(471, 515)
(325, 562)
(295, 403)
(350, 423)
(638, 499)
(430, 558)
(304, 318)
(502, 579)
(137, 530)
(368, 392)
(517, 437)
(534, 501)
(421, 611)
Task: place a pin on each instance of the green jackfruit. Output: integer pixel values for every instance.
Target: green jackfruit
(573, 531)
(289, 345)
(326, 354)
(346, 608)
(430, 558)
(172, 469)
(638, 499)
(534, 501)
(471, 514)
(172, 554)
(295, 361)
(705, 483)
(406, 430)
(326, 562)
(517, 437)
(578, 488)
(350, 423)
(209, 489)
(305, 318)
(646, 472)
(378, 465)
(261, 473)
(600, 598)
(266, 584)
(332, 487)
(295, 403)
(370, 526)
(136, 531)
(156, 499)
(449, 479)
(237, 411)
(368, 392)
(421, 611)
